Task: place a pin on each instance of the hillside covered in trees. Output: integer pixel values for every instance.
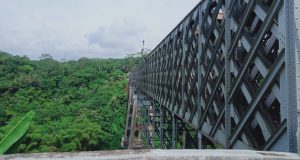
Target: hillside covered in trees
(79, 105)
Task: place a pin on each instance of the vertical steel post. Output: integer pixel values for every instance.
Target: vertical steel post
(146, 120)
(133, 122)
(227, 73)
(129, 105)
(182, 91)
(290, 65)
(174, 129)
(199, 140)
(161, 127)
(297, 52)
(183, 135)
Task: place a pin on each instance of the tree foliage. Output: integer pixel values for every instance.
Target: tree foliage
(79, 105)
(16, 133)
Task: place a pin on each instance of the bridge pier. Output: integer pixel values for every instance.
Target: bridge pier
(149, 121)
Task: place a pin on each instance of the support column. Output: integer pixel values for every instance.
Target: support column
(128, 117)
(146, 120)
(161, 127)
(151, 122)
(290, 65)
(183, 135)
(183, 139)
(174, 131)
(297, 52)
(199, 140)
(182, 92)
(133, 122)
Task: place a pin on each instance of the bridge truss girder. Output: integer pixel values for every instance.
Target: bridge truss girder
(228, 71)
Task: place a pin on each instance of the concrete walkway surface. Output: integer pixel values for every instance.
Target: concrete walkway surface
(158, 154)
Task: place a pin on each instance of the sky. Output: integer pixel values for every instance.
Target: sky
(73, 29)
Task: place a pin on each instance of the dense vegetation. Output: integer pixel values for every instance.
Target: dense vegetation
(79, 105)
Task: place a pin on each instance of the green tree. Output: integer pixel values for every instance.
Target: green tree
(79, 105)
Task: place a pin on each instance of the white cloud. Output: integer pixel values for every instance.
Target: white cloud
(86, 28)
(118, 37)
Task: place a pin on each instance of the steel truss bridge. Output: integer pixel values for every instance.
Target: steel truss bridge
(226, 77)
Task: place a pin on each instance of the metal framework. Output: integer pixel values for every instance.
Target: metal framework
(225, 76)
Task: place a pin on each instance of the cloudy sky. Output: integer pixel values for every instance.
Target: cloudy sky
(86, 28)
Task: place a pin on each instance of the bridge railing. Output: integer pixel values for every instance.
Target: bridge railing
(228, 70)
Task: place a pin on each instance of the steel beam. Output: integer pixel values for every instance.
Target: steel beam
(297, 58)
(290, 65)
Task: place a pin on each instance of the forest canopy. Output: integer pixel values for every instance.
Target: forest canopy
(79, 105)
